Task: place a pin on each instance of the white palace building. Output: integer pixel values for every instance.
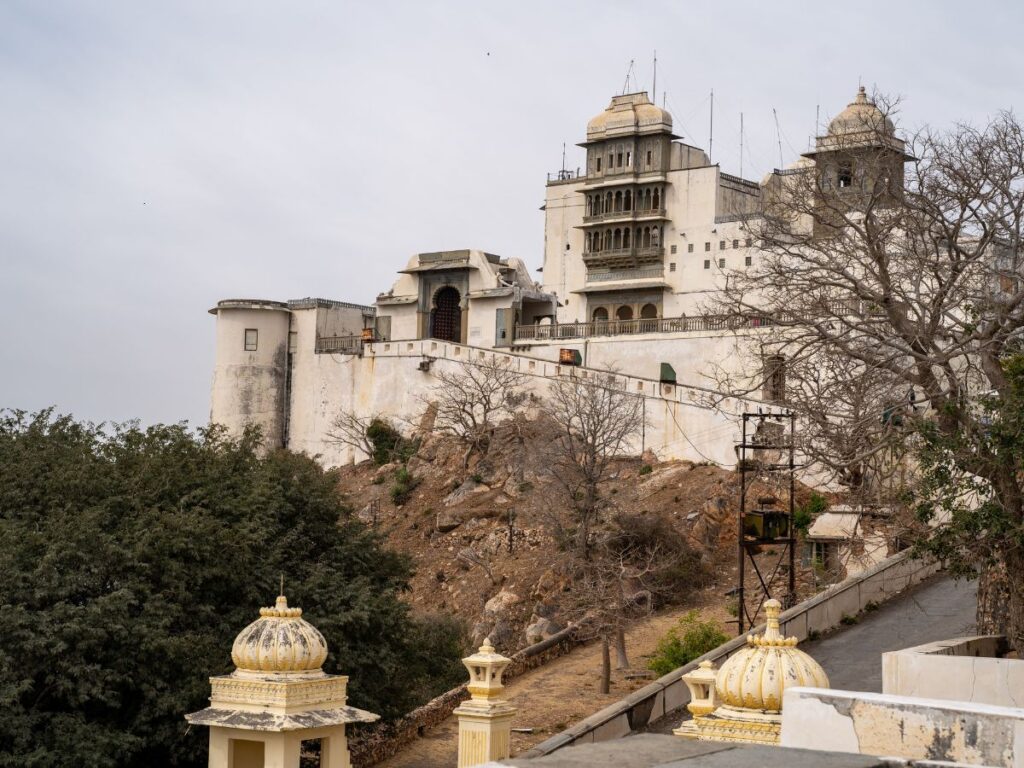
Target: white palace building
(635, 247)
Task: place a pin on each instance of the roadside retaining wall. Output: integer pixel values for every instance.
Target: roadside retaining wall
(817, 614)
(369, 745)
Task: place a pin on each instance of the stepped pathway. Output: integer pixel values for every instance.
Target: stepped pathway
(563, 691)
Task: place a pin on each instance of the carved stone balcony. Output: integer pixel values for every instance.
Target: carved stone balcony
(623, 258)
(642, 214)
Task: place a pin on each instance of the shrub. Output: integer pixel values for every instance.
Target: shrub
(405, 483)
(804, 515)
(646, 469)
(386, 440)
(688, 640)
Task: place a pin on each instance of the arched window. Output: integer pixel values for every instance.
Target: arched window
(655, 236)
(648, 311)
(608, 202)
(625, 238)
(627, 202)
(647, 199)
(624, 313)
(446, 315)
(608, 240)
(600, 315)
(587, 241)
(617, 239)
(657, 200)
(618, 201)
(646, 243)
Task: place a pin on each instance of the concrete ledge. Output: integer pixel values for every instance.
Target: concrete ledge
(961, 669)
(903, 726)
(822, 612)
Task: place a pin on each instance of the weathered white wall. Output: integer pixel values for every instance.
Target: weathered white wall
(963, 668)
(903, 726)
(386, 381)
(249, 387)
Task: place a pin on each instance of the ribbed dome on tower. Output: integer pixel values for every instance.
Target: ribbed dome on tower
(279, 641)
(756, 676)
(861, 115)
(629, 113)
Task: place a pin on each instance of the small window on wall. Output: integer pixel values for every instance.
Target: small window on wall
(748, 261)
(251, 337)
(749, 242)
(721, 263)
(707, 263)
(671, 266)
(599, 164)
(673, 249)
(648, 158)
(629, 158)
(689, 247)
(619, 163)
(845, 176)
(707, 247)
(721, 245)
(735, 243)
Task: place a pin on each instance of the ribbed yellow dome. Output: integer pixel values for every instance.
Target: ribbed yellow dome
(756, 676)
(627, 114)
(279, 641)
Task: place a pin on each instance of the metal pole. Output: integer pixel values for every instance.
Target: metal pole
(743, 504)
(792, 494)
(511, 518)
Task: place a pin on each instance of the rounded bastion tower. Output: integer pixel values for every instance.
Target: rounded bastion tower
(250, 376)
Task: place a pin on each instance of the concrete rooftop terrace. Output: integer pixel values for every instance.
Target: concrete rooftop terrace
(653, 751)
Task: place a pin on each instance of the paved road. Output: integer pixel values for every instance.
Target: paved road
(938, 609)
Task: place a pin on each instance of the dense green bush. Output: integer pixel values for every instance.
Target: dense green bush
(130, 558)
(387, 441)
(405, 483)
(803, 516)
(687, 641)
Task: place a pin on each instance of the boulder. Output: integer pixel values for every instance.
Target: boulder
(466, 490)
(447, 521)
(500, 604)
(541, 629)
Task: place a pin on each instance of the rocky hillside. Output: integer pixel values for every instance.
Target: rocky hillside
(504, 579)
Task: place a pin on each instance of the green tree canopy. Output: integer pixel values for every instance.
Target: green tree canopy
(130, 558)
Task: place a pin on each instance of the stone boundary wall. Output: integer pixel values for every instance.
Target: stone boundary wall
(369, 745)
(818, 614)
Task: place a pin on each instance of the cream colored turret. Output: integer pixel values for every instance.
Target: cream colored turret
(747, 690)
(485, 721)
(278, 697)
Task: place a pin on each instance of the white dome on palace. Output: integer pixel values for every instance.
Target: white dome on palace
(860, 116)
(279, 641)
(756, 676)
(629, 114)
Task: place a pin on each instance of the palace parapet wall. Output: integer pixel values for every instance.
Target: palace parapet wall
(395, 379)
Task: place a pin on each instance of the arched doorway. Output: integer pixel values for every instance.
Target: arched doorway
(446, 316)
(624, 312)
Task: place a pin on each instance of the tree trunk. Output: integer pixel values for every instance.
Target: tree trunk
(606, 666)
(1014, 629)
(993, 613)
(621, 660)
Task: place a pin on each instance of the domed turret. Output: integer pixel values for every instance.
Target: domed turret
(861, 115)
(628, 114)
(279, 641)
(756, 676)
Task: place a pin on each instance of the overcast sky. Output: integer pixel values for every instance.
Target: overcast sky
(159, 156)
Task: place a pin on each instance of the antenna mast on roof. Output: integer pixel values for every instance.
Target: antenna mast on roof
(654, 85)
(629, 70)
(778, 135)
(711, 129)
(741, 145)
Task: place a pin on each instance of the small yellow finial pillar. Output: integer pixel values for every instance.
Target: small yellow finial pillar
(485, 721)
(703, 697)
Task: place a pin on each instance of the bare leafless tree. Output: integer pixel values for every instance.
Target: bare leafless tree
(595, 421)
(351, 430)
(474, 397)
(477, 555)
(894, 270)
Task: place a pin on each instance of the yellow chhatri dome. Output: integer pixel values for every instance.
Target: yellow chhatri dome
(280, 641)
(756, 676)
(861, 116)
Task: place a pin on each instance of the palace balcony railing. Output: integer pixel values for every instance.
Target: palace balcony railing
(630, 215)
(345, 345)
(555, 331)
(640, 273)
